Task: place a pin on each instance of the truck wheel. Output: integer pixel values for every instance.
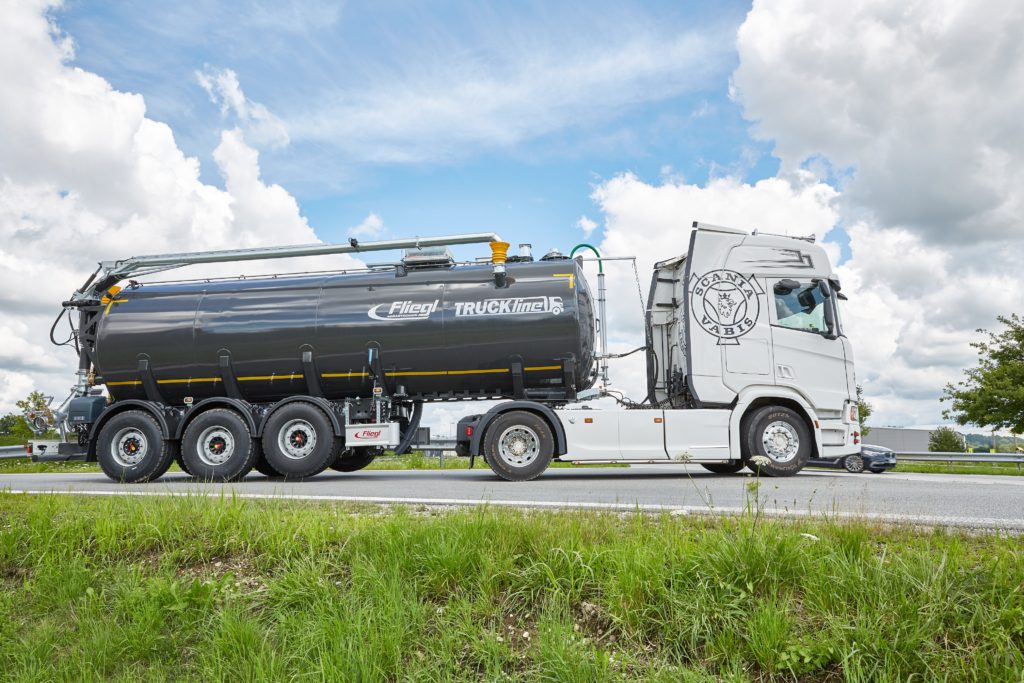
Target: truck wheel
(854, 463)
(131, 448)
(180, 461)
(298, 441)
(218, 446)
(353, 459)
(518, 445)
(779, 438)
(262, 466)
(724, 467)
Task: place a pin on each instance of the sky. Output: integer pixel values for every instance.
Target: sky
(889, 130)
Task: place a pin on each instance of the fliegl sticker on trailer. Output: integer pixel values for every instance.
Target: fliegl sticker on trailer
(509, 306)
(725, 304)
(404, 310)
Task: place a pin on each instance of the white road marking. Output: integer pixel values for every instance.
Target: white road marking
(923, 520)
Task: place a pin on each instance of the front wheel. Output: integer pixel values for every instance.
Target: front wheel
(131, 448)
(854, 463)
(518, 445)
(724, 467)
(777, 442)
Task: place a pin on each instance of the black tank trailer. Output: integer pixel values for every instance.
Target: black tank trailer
(293, 374)
(420, 334)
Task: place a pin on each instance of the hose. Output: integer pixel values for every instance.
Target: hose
(584, 245)
(410, 431)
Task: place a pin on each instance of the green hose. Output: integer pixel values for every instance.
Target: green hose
(582, 245)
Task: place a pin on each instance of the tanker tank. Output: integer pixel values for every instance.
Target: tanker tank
(437, 333)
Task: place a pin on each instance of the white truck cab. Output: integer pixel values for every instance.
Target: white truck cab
(747, 365)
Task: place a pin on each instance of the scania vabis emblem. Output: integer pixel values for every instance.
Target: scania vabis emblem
(725, 304)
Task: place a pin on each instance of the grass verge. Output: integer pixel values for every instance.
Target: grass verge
(964, 468)
(212, 588)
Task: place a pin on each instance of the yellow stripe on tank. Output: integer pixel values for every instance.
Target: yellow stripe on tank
(334, 375)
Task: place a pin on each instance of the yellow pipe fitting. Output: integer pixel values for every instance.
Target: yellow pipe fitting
(499, 252)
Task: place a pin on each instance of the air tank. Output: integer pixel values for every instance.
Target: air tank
(433, 333)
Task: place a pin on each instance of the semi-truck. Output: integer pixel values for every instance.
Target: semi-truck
(747, 363)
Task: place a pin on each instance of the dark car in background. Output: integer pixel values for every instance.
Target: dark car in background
(876, 459)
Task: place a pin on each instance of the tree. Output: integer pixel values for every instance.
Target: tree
(945, 440)
(863, 412)
(992, 392)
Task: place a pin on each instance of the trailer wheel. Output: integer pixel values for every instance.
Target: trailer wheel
(131, 448)
(724, 467)
(518, 445)
(261, 465)
(779, 440)
(179, 460)
(354, 459)
(218, 446)
(298, 440)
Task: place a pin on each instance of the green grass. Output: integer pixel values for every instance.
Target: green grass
(960, 468)
(207, 588)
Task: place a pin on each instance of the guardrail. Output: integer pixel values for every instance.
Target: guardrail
(13, 452)
(977, 458)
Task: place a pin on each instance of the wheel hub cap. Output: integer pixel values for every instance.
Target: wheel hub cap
(518, 446)
(129, 447)
(216, 445)
(780, 441)
(297, 439)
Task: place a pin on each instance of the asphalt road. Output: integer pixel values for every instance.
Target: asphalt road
(992, 502)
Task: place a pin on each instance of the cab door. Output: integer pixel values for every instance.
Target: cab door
(805, 358)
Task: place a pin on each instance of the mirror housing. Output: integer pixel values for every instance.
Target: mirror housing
(783, 287)
(830, 311)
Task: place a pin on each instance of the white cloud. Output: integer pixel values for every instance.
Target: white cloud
(444, 101)
(915, 108)
(86, 176)
(261, 127)
(372, 227)
(586, 225)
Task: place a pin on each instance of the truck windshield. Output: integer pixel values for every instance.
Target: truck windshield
(801, 309)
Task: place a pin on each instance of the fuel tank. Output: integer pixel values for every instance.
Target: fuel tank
(438, 333)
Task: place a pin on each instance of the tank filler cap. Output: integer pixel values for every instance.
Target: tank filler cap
(555, 255)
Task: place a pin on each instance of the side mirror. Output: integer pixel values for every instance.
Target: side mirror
(783, 287)
(830, 312)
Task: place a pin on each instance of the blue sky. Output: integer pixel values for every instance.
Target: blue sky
(527, 172)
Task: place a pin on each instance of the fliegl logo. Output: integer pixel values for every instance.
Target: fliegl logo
(404, 310)
(725, 304)
(510, 306)
(368, 434)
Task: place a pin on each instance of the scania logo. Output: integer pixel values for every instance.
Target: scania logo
(725, 304)
(510, 306)
(368, 434)
(404, 310)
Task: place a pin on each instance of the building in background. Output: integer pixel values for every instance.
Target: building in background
(900, 439)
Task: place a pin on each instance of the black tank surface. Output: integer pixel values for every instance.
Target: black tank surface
(441, 333)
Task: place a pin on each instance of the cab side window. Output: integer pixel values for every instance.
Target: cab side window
(801, 308)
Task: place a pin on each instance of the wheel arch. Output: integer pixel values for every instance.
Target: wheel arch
(539, 409)
(750, 401)
(322, 403)
(168, 423)
(238, 405)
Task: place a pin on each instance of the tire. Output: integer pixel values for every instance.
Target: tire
(261, 465)
(131, 448)
(218, 446)
(781, 436)
(724, 467)
(180, 461)
(354, 459)
(518, 445)
(854, 464)
(876, 471)
(299, 441)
